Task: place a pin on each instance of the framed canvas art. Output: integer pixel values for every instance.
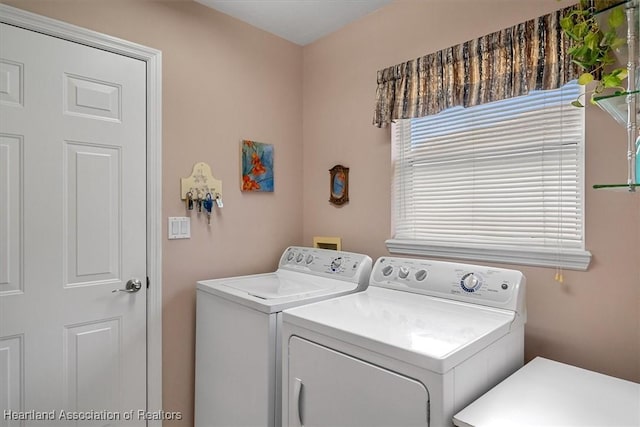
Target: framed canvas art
(257, 166)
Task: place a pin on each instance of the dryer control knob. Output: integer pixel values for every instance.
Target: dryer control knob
(421, 275)
(290, 255)
(387, 270)
(403, 273)
(299, 258)
(470, 282)
(309, 259)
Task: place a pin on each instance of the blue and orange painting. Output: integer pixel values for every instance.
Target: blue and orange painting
(257, 166)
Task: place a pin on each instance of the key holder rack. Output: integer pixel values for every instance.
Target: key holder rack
(201, 189)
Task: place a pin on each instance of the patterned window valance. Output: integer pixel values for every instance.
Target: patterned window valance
(528, 56)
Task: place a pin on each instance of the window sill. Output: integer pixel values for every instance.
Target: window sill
(572, 259)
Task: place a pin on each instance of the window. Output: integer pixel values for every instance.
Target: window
(500, 182)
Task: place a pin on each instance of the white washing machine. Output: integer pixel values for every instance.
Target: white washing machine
(238, 329)
(424, 340)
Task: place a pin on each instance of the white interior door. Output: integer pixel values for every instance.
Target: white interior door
(72, 230)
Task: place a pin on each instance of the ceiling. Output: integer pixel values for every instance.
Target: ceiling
(299, 21)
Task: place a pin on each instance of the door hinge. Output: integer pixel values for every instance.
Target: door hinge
(148, 282)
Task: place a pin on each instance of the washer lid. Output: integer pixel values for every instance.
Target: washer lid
(273, 292)
(272, 286)
(432, 333)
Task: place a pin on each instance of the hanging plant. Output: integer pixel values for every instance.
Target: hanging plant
(592, 46)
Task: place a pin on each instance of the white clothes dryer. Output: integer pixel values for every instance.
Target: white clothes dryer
(424, 340)
(238, 329)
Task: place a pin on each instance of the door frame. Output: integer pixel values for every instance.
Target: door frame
(153, 58)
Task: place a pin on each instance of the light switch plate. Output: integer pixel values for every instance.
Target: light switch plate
(179, 227)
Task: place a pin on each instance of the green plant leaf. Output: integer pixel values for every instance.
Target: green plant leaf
(616, 17)
(592, 40)
(592, 57)
(578, 51)
(577, 103)
(607, 59)
(621, 73)
(608, 38)
(585, 79)
(617, 42)
(579, 63)
(609, 80)
(566, 23)
(581, 29)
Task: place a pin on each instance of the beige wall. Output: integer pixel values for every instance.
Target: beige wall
(222, 81)
(593, 319)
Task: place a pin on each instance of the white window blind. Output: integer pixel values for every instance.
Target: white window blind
(504, 178)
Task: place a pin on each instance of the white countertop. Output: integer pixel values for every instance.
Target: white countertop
(552, 394)
(433, 333)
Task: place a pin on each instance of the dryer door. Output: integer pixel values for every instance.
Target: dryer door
(329, 388)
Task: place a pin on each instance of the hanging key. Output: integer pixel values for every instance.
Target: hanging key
(208, 206)
(189, 201)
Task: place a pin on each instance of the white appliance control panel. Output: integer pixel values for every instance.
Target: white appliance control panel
(494, 287)
(338, 265)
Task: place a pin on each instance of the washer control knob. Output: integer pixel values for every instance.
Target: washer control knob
(309, 259)
(403, 272)
(421, 275)
(386, 271)
(336, 263)
(470, 282)
(300, 257)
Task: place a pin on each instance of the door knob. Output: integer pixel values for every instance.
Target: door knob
(133, 285)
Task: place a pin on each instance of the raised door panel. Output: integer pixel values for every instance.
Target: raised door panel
(91, 98)
(93, 232)
(11, 381)
(10, 214)
(11, 83)
(92, 356)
